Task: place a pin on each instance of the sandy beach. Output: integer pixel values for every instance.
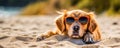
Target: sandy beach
(20, 32)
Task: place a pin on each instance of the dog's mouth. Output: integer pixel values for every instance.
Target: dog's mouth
(75, 34)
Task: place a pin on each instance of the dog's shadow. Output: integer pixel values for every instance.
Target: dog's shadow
(65, 38)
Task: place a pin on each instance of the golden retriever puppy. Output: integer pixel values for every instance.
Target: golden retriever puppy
(76, 24)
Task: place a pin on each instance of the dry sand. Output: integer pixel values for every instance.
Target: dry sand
(20, 32)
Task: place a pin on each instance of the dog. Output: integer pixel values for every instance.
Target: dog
(76, 24)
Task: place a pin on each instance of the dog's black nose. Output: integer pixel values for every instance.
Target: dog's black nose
(76, 28)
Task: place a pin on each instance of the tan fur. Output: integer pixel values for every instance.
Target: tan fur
(94, 28)
(63, 28)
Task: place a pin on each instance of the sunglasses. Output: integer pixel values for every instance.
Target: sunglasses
(82, 20)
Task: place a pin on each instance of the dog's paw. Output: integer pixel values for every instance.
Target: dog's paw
(88, 38)
(40, 38)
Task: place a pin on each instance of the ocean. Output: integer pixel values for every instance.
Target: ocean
(9, 11)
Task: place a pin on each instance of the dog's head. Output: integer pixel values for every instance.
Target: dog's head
(76, 23)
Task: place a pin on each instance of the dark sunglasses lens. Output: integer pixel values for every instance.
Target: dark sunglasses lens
(83, 20)
(69, 20)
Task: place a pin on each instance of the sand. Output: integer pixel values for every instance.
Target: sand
(20, 32)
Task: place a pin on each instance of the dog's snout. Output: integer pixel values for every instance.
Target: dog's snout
(76, 28)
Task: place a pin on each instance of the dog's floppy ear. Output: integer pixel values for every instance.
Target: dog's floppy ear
(60, 22)
(92, 25)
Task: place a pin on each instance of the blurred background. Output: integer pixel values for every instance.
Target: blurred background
(49, 7)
